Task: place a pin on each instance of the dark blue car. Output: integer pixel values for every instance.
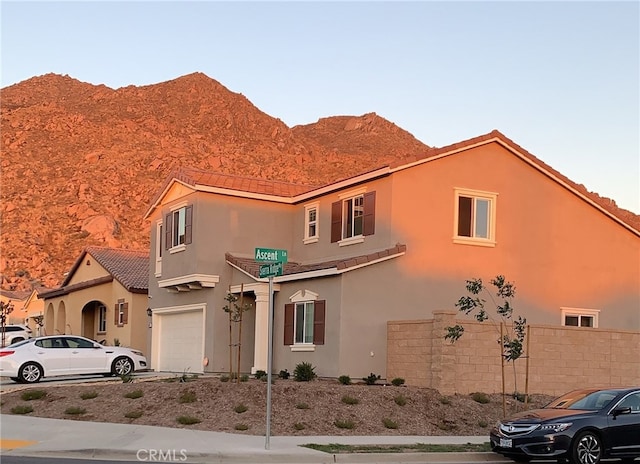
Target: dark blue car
(581, 427)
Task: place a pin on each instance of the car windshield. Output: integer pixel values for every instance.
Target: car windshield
(584, 399)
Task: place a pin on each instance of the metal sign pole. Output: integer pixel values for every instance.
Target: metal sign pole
(269, 363)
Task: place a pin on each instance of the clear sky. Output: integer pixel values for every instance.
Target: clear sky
(561, 79)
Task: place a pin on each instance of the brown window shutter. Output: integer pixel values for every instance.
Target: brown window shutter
(167, 231)
(125, 313)
(115, 317)
(369, 220)
(288, 324)
(318, 322)
(464, 216)
(188, 224)
(336, 221)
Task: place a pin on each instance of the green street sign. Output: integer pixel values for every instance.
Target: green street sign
(269, 255)
(271, 270)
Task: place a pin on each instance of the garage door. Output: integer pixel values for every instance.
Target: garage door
(180, 347)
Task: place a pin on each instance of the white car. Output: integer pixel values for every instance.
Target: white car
(30, 360)
(14, 333)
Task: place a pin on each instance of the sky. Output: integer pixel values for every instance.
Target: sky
(561, 79)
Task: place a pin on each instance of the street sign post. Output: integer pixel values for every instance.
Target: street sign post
(274, 260)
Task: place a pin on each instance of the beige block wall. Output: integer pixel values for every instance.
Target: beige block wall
(559, 359)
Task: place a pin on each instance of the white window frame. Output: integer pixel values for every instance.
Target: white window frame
(102, 319)
(176, 246)
(308, 223)
(475, 195)
(121, 313)
(302, 297)
(159, 247)
(580, 313)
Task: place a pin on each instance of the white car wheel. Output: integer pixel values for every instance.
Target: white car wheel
(30, 373)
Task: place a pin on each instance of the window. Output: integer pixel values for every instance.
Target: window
(304, 321)
(353, 217)
(311, 233)
(102, 318)
(122, 313)
(475, 217)
(576, 317)
(178, 228)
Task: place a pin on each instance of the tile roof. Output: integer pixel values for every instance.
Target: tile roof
(252, 267)
(15, 295)
(129, 267)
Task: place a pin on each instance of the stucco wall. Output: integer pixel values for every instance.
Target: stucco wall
(560, 358)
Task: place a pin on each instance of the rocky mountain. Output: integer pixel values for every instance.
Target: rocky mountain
(81, 162)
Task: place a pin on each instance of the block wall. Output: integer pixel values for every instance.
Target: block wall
(558, 359)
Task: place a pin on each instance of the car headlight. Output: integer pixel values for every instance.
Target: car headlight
(559, 427)
(138, 353)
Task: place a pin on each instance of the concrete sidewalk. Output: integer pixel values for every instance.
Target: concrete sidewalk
(32, 436)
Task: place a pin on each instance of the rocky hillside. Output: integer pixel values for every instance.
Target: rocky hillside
(80, 162)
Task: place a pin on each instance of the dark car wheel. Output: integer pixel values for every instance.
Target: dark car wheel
(587, 449)
(521, 459)
(30, 373)
(122, 366)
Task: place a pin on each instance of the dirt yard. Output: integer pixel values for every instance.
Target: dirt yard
(319, 407)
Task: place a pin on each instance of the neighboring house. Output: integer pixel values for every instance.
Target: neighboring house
(17, 300)
(33, 311)
(104, 297)
(395, 243)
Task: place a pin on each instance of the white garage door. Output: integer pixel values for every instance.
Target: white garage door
(180, 344)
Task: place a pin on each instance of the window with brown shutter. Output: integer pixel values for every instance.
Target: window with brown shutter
(125, 313)
(353, 217)
(318, 322)
(288, 324)
(369, 226)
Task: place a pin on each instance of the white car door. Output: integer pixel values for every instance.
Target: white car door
(84, 358)
(52, 355)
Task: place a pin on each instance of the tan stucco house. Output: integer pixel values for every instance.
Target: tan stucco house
(103, 297)
(394, 243)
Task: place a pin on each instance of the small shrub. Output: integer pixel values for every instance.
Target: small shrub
(188, 397)
(127, 378)
(397, 381)
(371, 379)
(75, 411)
(187, 420)
(240, 408)
(344, 380)
(344, 424)
(390, 424)
(89, 395)
(260, 374)
(241, 427)
(22, 409)
(33, 395)
(244, 378)
(134, 394)
(224, 378)
(299, 426)
(304, 372)
(187, 377)
(116, 342)
(447, 426)
(400, 400)
(483, 424)
(521, 397)
(284, 374)
(133, 414)
(302, 406)
(346, 399)
(445, 400)
(481, 398)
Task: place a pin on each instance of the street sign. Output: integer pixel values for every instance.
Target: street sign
(270, 270)
(270, 255)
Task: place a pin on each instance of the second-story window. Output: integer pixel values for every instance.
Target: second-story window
(178, 227)
(353, 217)
(475, 217)
(311, 233)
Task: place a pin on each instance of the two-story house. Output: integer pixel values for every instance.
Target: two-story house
(393, 243)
